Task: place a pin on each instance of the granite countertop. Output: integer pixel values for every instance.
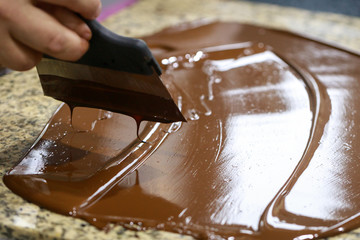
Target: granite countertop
(24, 110)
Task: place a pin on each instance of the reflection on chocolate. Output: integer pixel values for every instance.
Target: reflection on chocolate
(270, 150)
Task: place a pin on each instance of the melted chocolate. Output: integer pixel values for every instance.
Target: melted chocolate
(270, 150)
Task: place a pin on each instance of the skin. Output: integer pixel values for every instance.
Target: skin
(30, 28)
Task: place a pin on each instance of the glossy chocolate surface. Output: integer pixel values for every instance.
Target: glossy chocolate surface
(270, 151)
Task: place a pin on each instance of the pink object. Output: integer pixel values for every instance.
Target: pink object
(113, 8)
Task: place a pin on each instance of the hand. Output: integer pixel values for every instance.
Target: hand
(29, 28)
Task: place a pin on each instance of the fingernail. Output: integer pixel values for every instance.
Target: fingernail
(86, 33)
(80, 51)
(98, 11)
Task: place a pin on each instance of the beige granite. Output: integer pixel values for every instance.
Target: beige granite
(24, 110)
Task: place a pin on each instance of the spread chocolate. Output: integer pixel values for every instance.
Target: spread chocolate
(270, 150)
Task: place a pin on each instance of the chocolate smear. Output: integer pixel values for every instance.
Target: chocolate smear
(270, 150)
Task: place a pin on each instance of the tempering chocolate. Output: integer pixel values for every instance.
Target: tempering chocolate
(270, 150)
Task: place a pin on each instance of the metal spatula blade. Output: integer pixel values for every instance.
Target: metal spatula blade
(117, 74)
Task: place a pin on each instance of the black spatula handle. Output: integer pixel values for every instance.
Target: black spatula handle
(109, 50)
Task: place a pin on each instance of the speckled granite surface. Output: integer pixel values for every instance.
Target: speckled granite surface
(24, 111)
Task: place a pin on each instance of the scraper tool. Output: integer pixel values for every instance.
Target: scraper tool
(117, 73)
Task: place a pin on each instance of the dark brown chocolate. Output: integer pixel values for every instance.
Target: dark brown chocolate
(270, 150)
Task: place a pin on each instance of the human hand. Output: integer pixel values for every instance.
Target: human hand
(29, 28)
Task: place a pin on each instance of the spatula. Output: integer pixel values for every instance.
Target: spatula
(117, 73)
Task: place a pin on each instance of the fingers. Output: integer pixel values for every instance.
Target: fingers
(28, 31)
(17, 56)
(42, 32)
(89, 9)
(69, 19)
